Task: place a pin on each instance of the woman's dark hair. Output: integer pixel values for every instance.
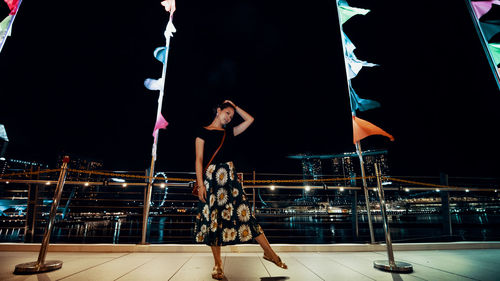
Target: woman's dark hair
(223, 106)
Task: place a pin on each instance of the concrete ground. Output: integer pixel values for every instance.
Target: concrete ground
(453, 265)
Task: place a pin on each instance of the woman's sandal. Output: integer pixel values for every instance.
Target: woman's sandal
(279, 263)
(217, 273)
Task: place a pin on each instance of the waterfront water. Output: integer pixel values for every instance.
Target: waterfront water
(310, 229)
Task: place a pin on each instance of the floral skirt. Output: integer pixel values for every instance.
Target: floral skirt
(225, 219)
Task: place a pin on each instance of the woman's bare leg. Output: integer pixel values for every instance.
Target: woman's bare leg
(268, 251)
(217, 257)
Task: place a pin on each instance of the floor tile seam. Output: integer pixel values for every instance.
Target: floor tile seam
(262, 262)
(350, 268)
(438, 269)
(177, 271)
(308, 268)
(135, 268)
(94, 266)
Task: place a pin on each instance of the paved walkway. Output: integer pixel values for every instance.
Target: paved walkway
(440, 265)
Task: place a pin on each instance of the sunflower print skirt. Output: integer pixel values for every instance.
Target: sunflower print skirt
(225, 219)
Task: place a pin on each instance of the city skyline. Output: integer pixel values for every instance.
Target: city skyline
(76, 85)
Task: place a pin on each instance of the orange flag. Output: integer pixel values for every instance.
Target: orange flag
(362, 129)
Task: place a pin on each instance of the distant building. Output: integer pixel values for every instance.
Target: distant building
(344, 165)
(80, 163)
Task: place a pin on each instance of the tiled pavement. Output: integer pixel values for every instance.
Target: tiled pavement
(452, 265)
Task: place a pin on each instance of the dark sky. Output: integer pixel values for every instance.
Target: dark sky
(71, 80)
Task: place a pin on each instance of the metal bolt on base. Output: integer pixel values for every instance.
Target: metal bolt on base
(397, 266)
(33, 267)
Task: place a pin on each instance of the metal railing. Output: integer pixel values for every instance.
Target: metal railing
(97, 209)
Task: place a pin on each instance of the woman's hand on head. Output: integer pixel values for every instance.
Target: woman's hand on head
(169, 6)
(230, 102)
(202, 193)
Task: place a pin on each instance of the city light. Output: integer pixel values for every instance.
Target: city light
(272, 187)
(407, 189)
(308, 188)
(374, 189)
(162, 185)
(7, 182)
(86, 184)
(117, 180)
(496, 190)
(438, 190)
(467, 190)
(341, 189)
(47, 183)
(124, 185)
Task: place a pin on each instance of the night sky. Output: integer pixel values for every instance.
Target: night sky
(71, 81)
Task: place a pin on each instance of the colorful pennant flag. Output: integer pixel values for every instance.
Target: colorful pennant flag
(495, 52)
(161, 123)
(13, 4)
(360, 104)
(346, 12)
(482, 7)
(362, 129)
(154, 84)
(6, 23)
(489, 29)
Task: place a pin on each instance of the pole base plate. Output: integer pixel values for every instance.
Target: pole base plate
(398, 266)
(32, 268)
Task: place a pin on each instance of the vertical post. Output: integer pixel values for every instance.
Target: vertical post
(354, 216)
(389, 265)
(445, 206)
(40, 265)
(253, 190)
(365, 190)
(147, 202)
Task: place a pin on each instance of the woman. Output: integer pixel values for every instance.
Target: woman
(224, 214)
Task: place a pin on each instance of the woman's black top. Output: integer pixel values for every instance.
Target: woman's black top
(212, 140)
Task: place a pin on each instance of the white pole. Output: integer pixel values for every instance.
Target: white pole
(148, 191)
(358, 145)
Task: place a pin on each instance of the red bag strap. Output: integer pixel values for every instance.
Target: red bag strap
(213, 156)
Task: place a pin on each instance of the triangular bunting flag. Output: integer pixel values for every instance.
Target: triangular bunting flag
(161, 123)
(482, 7)
(489, 29)
(159, 54)
(13, 4)
(360, 104)
(495, 52)
(346, 12)
(153, 84)
(362, 129)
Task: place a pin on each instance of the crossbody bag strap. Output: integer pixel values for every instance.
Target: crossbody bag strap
(213, 156)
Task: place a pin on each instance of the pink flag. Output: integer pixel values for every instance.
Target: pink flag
(161, 123)
(12, 6)
(482, 7)
(362, 129)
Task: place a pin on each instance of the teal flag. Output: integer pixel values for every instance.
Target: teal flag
(360, 104)
(489, 29)
(346, 12)
(495, 52)
(159, 54)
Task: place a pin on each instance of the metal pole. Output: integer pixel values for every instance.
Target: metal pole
(390, 265)
(445, 206)
(253, 192)
(40, 265)
(354, 214)
(365, 190)
(147, 202)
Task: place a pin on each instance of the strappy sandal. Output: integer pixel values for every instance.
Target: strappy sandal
(217, 273)
(278, 263)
